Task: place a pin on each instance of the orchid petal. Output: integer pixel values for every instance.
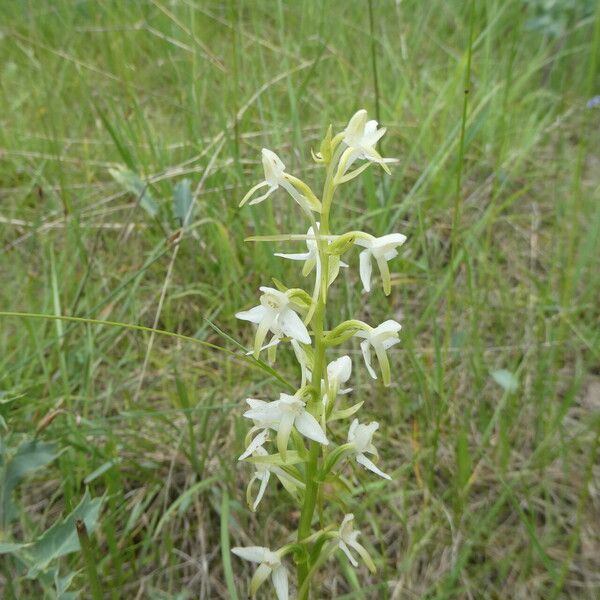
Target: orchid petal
(365, 269)
(302, 361)
(260, 576)
(254, 315)
(256, 554)
(309, 427)
(365, 346)
(299, 256)
(280, 582)
(389, 326)
(347, 552)
(261, 334)
(340, 369)
(263, 197)
(392, 239)
(369, 464)
(257, 442)
(384, 363)
(251, 191)
(292, 325)
(264, 480)
(283, 432)
(352, 429)
(309, 265)
(385, 275)
(365, 556)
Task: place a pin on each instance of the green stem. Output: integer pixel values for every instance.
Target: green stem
(90, 560)
(454, 232)
(311, 491)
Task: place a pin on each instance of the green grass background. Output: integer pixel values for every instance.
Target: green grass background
(496, 489)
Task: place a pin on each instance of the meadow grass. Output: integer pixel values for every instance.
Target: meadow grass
(491, 428)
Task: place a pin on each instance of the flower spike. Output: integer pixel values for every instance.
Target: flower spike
(311, 475)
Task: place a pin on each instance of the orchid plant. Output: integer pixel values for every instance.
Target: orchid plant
(304, 439)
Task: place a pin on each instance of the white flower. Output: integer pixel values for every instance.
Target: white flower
(263, 471)
(348, 539)
(360, 436)
(312, 259)
(262, 474)
(338, 373)
(274, 314)
(276, 177)
(259, 440)
(381, 338)
(270, 564)
(262, 421)
(382, 249)
(360, 136)
(284, 414)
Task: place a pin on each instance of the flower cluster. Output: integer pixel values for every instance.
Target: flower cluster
(300, 438)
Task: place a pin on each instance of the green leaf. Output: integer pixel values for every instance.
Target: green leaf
(62, 584)
(225, 548)
(62, 538)
(183, 209)
(135, 185)
(100, 471)
(30, 455)
(506, 380)
(8, 548)
(464, 463)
